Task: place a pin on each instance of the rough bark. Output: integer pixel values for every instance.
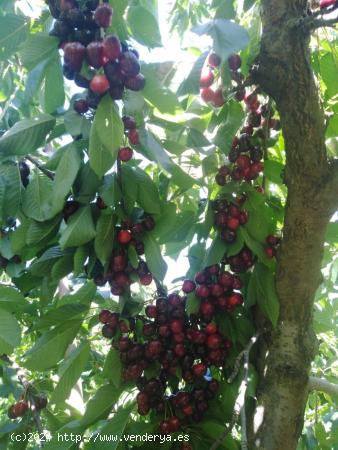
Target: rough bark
(285, 354)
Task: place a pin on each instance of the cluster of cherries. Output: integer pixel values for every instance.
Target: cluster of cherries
(111, 65)
(208, 77)
(120, 271)
(181, 346)
(20, 408)
(241, 262)
(229, 216)
(272, 245)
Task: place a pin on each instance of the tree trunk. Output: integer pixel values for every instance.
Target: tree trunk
(285, 354)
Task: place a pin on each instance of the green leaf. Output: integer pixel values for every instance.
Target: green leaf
(26, 136)
(154, 151)
(114, 427)
(11, 299)
(155, 262)
(12, 190)
(84, 295)
(54, 92)
(50, 348)
(112, 370)
(69, 372)
(43, 265)
(156, 94)
(228, 37)
(106, 136)
(10, 333)
(215, 252)
(328, 71)
(215, 430)
(133, 257)
(100, 158)
(273, 170)
(144, 26)
(65, 175)
(147, 193)
(191, 85)
(266, 296)
(79, 230)
(37, 198)
(110, 190)
(13, 31)
(229, 127)
(192, 304)
(77, 124)
(40, 231)
(80, 257)
(60, 315)
(62, 267)
(37, 48)
(100, 405)
(104, 239)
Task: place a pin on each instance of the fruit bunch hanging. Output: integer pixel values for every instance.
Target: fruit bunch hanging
(183, 351)
(122, 271)
(96, 61)
(229, 216)
(36, 402)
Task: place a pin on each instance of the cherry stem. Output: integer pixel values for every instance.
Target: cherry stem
(42, 169)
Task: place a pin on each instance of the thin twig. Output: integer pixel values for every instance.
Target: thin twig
(42, 169)
(239, 409)
(320, 384)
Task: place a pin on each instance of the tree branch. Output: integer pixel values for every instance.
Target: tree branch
(42, 169)
(320, 384)
(319, 23)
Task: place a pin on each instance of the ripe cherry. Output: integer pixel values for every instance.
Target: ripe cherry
(99, 84)
(270, 252)
(214, 60)
(226, 279)
(174, 423)
(211, 328)
(111, 48)
(129, 64)
(188, 286)
(81, 106)
(176, 326)
(103, 15)
(165, 427)
(104, 316)
(125, 154)
(151, 311)
(136, 83)
(133, 137)
(124, 237)
(202, 291)
(243, 161)
(214, 341)
(74, 54)
(272, 240)
(187, 410)
(218, 99)
(199, 370)
(233, 223)
(234, 62)
(94, 54)
(207, 94)
(146, 279)
(206, 80)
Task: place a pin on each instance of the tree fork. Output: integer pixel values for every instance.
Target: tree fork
(283, 71)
